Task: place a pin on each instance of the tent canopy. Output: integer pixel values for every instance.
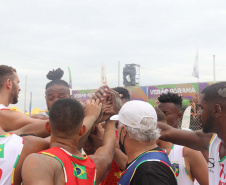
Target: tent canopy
(14, 108)
(34, 111)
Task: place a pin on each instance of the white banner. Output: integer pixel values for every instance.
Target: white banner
(186, 118)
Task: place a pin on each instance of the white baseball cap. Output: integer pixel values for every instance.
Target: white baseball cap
(133, 112)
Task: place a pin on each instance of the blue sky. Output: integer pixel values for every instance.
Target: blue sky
(161, 36)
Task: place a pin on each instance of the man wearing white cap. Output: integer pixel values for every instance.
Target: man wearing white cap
(147, 163)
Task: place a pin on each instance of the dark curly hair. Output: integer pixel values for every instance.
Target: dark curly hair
(124, 92)
(171, 98)
(55, 77)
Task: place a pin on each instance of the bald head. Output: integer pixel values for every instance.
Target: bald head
(215, 93)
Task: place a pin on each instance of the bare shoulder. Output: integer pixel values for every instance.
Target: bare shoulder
(13, 120)
(205, 137)
(193, 156)
(102, 167)
(98, 158)
(94, 158)
(43, 161)
(45, 168)
(188, 152)
(33, 144)
(4, 115)
(196, 165)
(10, 113)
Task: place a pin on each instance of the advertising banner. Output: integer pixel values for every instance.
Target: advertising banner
(151, 93)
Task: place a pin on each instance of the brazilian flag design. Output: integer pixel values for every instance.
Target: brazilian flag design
(2, 150)
(176, 168)
(79, 171)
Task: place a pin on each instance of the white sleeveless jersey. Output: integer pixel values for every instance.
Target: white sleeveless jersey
(10, 149)
(3, 107)
(217, 167)
(176, 157)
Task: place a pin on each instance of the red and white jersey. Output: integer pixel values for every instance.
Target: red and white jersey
(176, 157)
(217, 166)
(3, 107)
(77, 170)
(11, 146)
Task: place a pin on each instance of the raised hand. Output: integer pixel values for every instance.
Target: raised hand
(97, 136)
(116, 103)
(102, 94)
(103, 117)
(93, 108)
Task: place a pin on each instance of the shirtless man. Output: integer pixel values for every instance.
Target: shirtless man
(9, 91)
(63, 163)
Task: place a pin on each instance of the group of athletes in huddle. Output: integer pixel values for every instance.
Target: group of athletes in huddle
(125, 141)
